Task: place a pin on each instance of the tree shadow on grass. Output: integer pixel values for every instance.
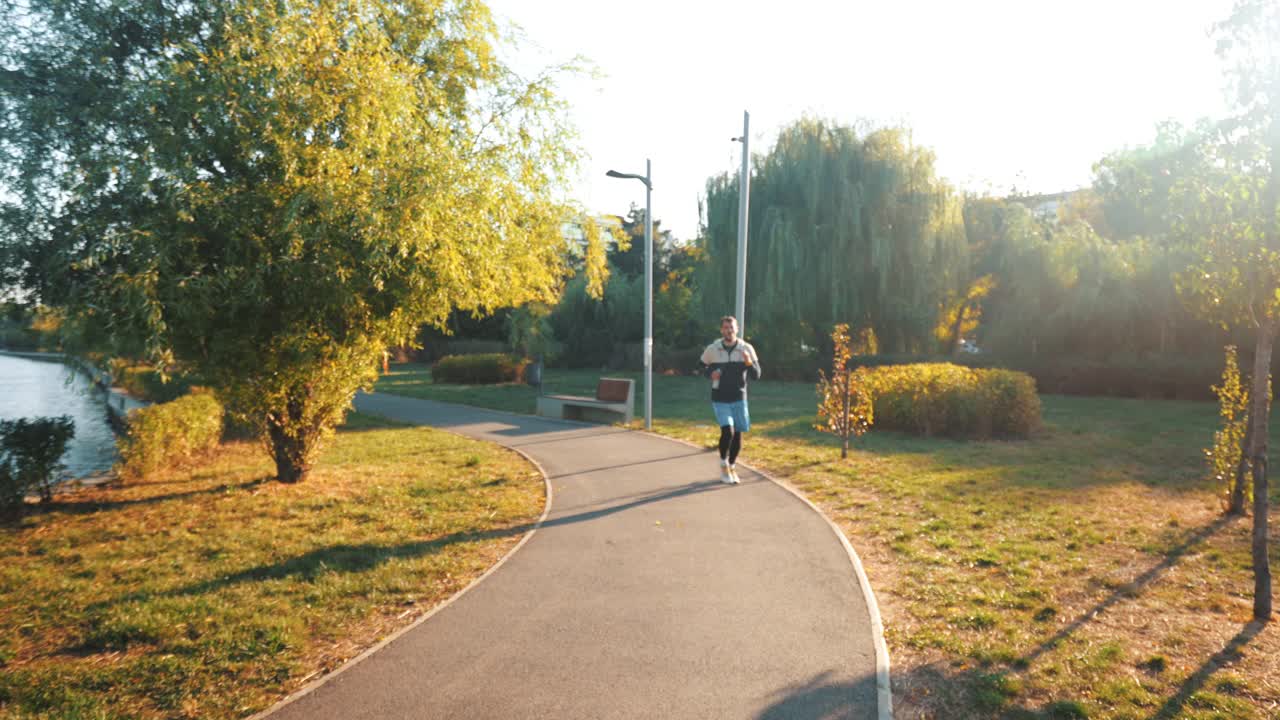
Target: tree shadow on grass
(933, 691)
(930, 688)
(936, 692)
(1038, 463)
(1132, 588)
(1193, 684)
(880, 441)
(354, 558)
(91, 507)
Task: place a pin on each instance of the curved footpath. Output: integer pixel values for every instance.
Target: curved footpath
(650, 590)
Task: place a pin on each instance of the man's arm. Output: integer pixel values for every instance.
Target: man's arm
(708, 364)
(754, 370)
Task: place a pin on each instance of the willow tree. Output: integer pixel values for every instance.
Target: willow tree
(843, 226)
(271, 192)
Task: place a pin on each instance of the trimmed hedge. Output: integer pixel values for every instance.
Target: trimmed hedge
(489, 368)
(954, 401)
(172, 432)
(1155, 378)
(1166, 379)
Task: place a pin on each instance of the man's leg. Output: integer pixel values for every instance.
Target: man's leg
(726, 440)
(741, 424)
(724, 418)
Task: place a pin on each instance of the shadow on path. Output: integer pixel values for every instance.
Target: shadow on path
(365, 556)
(587, 471)
(822, 699)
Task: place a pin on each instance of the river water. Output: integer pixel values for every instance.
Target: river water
(35, 388)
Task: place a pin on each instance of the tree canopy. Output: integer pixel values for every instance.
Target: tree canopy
(843, 227)
(273, 192)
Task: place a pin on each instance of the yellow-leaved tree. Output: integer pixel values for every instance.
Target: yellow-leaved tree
(271, 192)
(1228, 463)
(844, 396)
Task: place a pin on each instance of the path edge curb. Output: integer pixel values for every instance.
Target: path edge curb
(314, 685)
(884, 690)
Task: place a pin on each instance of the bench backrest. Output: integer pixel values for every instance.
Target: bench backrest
(613, 390)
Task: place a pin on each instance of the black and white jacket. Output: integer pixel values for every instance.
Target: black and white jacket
(731, 362)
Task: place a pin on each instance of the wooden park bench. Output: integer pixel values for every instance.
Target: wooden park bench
(615, 400)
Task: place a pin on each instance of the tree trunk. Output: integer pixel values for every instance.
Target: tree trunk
(289, 453)
(290, 442)
(1236, 506)
(1259, 410)
(957, 327)
(844, 451)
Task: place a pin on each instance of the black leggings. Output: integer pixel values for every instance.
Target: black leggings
(730, 443)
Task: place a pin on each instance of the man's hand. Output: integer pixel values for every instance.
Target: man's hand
(715, 374)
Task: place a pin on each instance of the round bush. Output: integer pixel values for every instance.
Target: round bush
(170, 432)
(955, 401)
(489, 368)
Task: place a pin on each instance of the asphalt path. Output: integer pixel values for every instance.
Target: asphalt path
(650, 590)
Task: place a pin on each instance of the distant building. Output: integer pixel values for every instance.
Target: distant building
(1046, 206)
(575, 234)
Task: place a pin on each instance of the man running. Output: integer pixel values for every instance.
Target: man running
(728, 362)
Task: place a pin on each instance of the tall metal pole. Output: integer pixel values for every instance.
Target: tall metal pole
(648, 295)
(744, 198)
(647, 179)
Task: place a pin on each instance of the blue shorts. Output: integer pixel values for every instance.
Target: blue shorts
(733, 413)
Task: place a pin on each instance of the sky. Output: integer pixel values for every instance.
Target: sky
(1024, 94)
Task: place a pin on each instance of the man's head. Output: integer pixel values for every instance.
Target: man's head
(729, 328)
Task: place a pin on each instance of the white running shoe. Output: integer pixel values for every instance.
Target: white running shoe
(733, 473)
(726, 473)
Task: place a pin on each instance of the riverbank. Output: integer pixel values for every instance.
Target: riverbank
(118, 401)
(32, 354)
(45, 386)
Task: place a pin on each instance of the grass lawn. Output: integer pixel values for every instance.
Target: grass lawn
(1085, 572)
(213, 591)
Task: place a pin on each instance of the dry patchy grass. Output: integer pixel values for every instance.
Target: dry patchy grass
(212, 591)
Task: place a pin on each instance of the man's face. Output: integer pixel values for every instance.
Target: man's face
(729, 330)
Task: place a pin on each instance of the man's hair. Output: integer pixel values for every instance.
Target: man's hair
(729, 318)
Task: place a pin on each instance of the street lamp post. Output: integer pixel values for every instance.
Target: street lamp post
(648, 285)
(744, 199)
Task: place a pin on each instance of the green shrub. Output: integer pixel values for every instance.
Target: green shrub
(31, 457)
(1015, 405)
(171, 432)
(12, 493)
(145, 382)
(479, 369)
(955, 401)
